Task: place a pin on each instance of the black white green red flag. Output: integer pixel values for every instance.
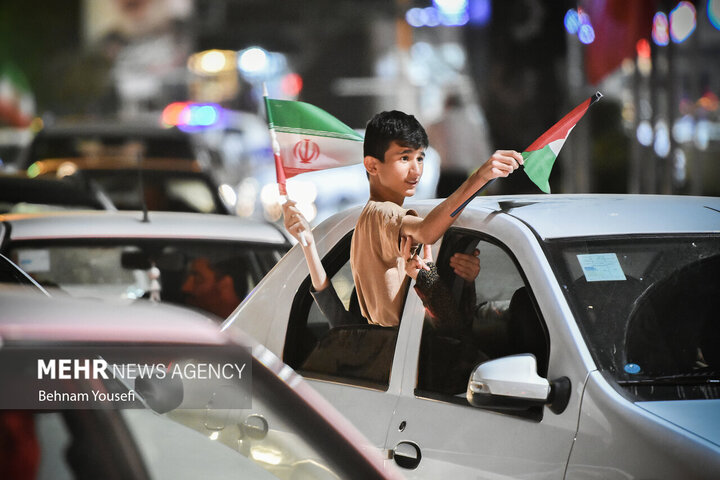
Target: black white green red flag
(307, 138)
(540, 156)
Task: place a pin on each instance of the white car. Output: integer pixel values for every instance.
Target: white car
(595, 350)
(110, 255)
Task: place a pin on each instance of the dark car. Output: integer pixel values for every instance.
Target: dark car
(133, 163)
(20, 194)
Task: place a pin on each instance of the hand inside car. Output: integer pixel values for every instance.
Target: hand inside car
(466, 266)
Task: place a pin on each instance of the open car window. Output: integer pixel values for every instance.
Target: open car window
(498, 313)
(359, 354)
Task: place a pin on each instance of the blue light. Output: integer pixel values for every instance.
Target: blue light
(586, 34)
(203, 115)
(713, 13)
(432, 18)
(480, 12)
(415, 17)
(572, 22)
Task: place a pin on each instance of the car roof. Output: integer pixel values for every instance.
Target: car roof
(129, 224)
(588, 215)
(28, 317)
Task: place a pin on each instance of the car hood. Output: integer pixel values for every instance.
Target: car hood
(699, 417)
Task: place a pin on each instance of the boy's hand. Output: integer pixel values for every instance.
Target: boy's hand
(413, 263)
(466, 266)
(295, 223)
(501, 164)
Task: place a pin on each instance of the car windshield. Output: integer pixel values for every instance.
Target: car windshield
(121, 269)
(648, 309)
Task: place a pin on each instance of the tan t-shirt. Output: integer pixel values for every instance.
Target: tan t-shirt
(377, 265)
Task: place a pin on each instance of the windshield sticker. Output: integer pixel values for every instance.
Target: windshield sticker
(34, 260)
(601, 267)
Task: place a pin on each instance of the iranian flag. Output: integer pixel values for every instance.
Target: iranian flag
(540, 156)
(306, 139)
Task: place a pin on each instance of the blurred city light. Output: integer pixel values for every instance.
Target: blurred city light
(253, 61)
(291, 85)
(211, 62)
(578, 23)
(682, 21)
(572, 21)
(662, 139)
(645, 133)
(450, 13)
(660, 34)
(189, 116)
(643, 48)
(586, 34)
(480, 12)
(713, 13)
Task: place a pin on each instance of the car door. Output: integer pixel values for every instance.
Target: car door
(357, 368)
(435, 431)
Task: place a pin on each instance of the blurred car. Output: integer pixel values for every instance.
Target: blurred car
(595, 350)
(117, 255)
(20, 194)
(96, 426)
(137, 163)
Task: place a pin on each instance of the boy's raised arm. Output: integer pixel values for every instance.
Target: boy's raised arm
(428, 230)
(296, 225)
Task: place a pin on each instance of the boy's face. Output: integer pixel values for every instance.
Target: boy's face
(400, 173)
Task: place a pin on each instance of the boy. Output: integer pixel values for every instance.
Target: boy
(394, 150)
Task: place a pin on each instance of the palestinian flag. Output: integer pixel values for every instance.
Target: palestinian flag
(540, 156)
(307, 138)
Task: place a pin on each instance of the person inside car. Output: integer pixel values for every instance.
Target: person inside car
(394, 150)
(216, 287)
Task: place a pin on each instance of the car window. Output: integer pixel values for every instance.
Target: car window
(498, 318)
(121, 269)
(257, 443)
(358, 354)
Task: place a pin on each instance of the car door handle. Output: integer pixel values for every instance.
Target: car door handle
(407, 455)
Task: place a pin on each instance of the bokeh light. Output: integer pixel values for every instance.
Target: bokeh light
(643, 48)
(682, 21)
(660, 33)
(253, 61)
(572, 22)
(586, 34)
(213, 61)
(713, 13)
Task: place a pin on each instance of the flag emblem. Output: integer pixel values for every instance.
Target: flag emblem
(306, 138)
(306, 150)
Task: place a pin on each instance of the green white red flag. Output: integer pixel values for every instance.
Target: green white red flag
(306, 139)
(540, 156)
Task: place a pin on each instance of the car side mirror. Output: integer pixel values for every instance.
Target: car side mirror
(512, 384)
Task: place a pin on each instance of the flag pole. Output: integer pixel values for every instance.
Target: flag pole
(277, 154)
(594, 98)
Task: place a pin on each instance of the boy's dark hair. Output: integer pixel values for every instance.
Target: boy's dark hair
(385, 127)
